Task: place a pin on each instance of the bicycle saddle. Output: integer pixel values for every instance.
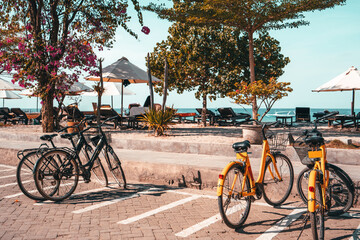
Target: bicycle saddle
(68, 135)
(314, 141)
(241, 146)
(48, 137)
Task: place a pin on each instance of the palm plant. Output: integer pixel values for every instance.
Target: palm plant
(159, 120)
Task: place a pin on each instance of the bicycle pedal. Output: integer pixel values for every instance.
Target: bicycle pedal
(252, 198)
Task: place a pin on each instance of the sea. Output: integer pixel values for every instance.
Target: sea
(270, 116)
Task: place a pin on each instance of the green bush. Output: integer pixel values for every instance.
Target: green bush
(159, 120)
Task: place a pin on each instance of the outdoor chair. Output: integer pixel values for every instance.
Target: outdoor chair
(21, 115)
(106, 112)
(73, 113)
(302, 114)
(135, 116)
(228, 116)
(8, 115)
(210, 115)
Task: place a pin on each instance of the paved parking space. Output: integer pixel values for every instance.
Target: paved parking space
(146, 211)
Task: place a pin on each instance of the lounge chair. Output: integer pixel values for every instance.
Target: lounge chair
(210, 115)
(228, 116)
(302, 114)
(21, 115)
(8, 115)
(107, 111)
(73, 113)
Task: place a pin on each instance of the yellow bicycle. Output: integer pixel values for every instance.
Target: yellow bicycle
(237, 187)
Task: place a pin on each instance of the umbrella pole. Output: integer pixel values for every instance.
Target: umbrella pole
(3, 102)
(122, 102)
(37, 104)
(112, 102)
(353, 103)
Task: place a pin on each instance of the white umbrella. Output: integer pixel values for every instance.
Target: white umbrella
(347, 81)
(8, 95)
(5, 85)
(75, 89)
(111, 89)
(122, 70)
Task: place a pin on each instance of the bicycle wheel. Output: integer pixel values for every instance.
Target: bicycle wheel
(317, 219)
(234, 209)
(277, 190)
(56, 175)
(99, 172)
(25, 178)
(115, 167)
(97, 169)
(340, 191)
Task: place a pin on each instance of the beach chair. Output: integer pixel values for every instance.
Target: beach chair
(21, 115)
(302, 114)
(210, 115)
(228, 116)
(136, 115)
(106, 111)
(8, 115)
(73, 113)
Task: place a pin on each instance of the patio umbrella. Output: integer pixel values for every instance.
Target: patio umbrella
(123, 70)
(111, 89)
(8, 86)
(347, 81)
(75, 89)
(8, 95)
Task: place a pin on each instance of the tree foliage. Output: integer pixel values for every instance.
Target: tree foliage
(248, 16)
(199, 59)
(48, 43)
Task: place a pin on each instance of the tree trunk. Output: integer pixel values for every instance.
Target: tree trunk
(150, 83)
(47, 113)
(165, 85)
(252, 73)
(203, 112)
(101, 85)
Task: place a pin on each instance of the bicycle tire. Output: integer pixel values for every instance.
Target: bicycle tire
(25, 178)
(56, 175)
(97, 169)
(115, 168)
(99, 173)
(340, 191)
(229, 212)
(317, 220)
(276, 192)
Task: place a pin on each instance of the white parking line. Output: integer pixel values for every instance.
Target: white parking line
(7, 166)
(157, 210)
(6, 170)
(12, 184)
(199, 226)
(14, 175)
(281, 225)
(356, 234)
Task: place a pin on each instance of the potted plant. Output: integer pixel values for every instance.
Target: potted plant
(266, 94)
(74, 119)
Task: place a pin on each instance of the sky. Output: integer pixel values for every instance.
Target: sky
(318, 52)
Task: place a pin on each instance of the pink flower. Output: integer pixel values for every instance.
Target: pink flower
(145, 30)
(28, 26)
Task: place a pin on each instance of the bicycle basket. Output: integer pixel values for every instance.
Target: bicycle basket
(277, 141)
(302, 151)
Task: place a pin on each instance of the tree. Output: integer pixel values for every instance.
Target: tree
(55, 41)
(249, 16)
(199, 59)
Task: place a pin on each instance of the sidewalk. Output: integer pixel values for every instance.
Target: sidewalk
(191, 156)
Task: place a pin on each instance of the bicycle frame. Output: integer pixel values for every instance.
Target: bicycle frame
(319, 168)
(244, 160)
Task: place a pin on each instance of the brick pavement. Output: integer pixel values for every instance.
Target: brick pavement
(146, 208)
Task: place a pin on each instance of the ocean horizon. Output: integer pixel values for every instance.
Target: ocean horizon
(270, 117)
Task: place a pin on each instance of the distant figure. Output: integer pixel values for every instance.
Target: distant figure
(147, 102)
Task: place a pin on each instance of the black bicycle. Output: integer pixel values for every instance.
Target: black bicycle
(28, 158)
(57, 172)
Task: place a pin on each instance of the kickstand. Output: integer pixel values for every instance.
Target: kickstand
(305, 221)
